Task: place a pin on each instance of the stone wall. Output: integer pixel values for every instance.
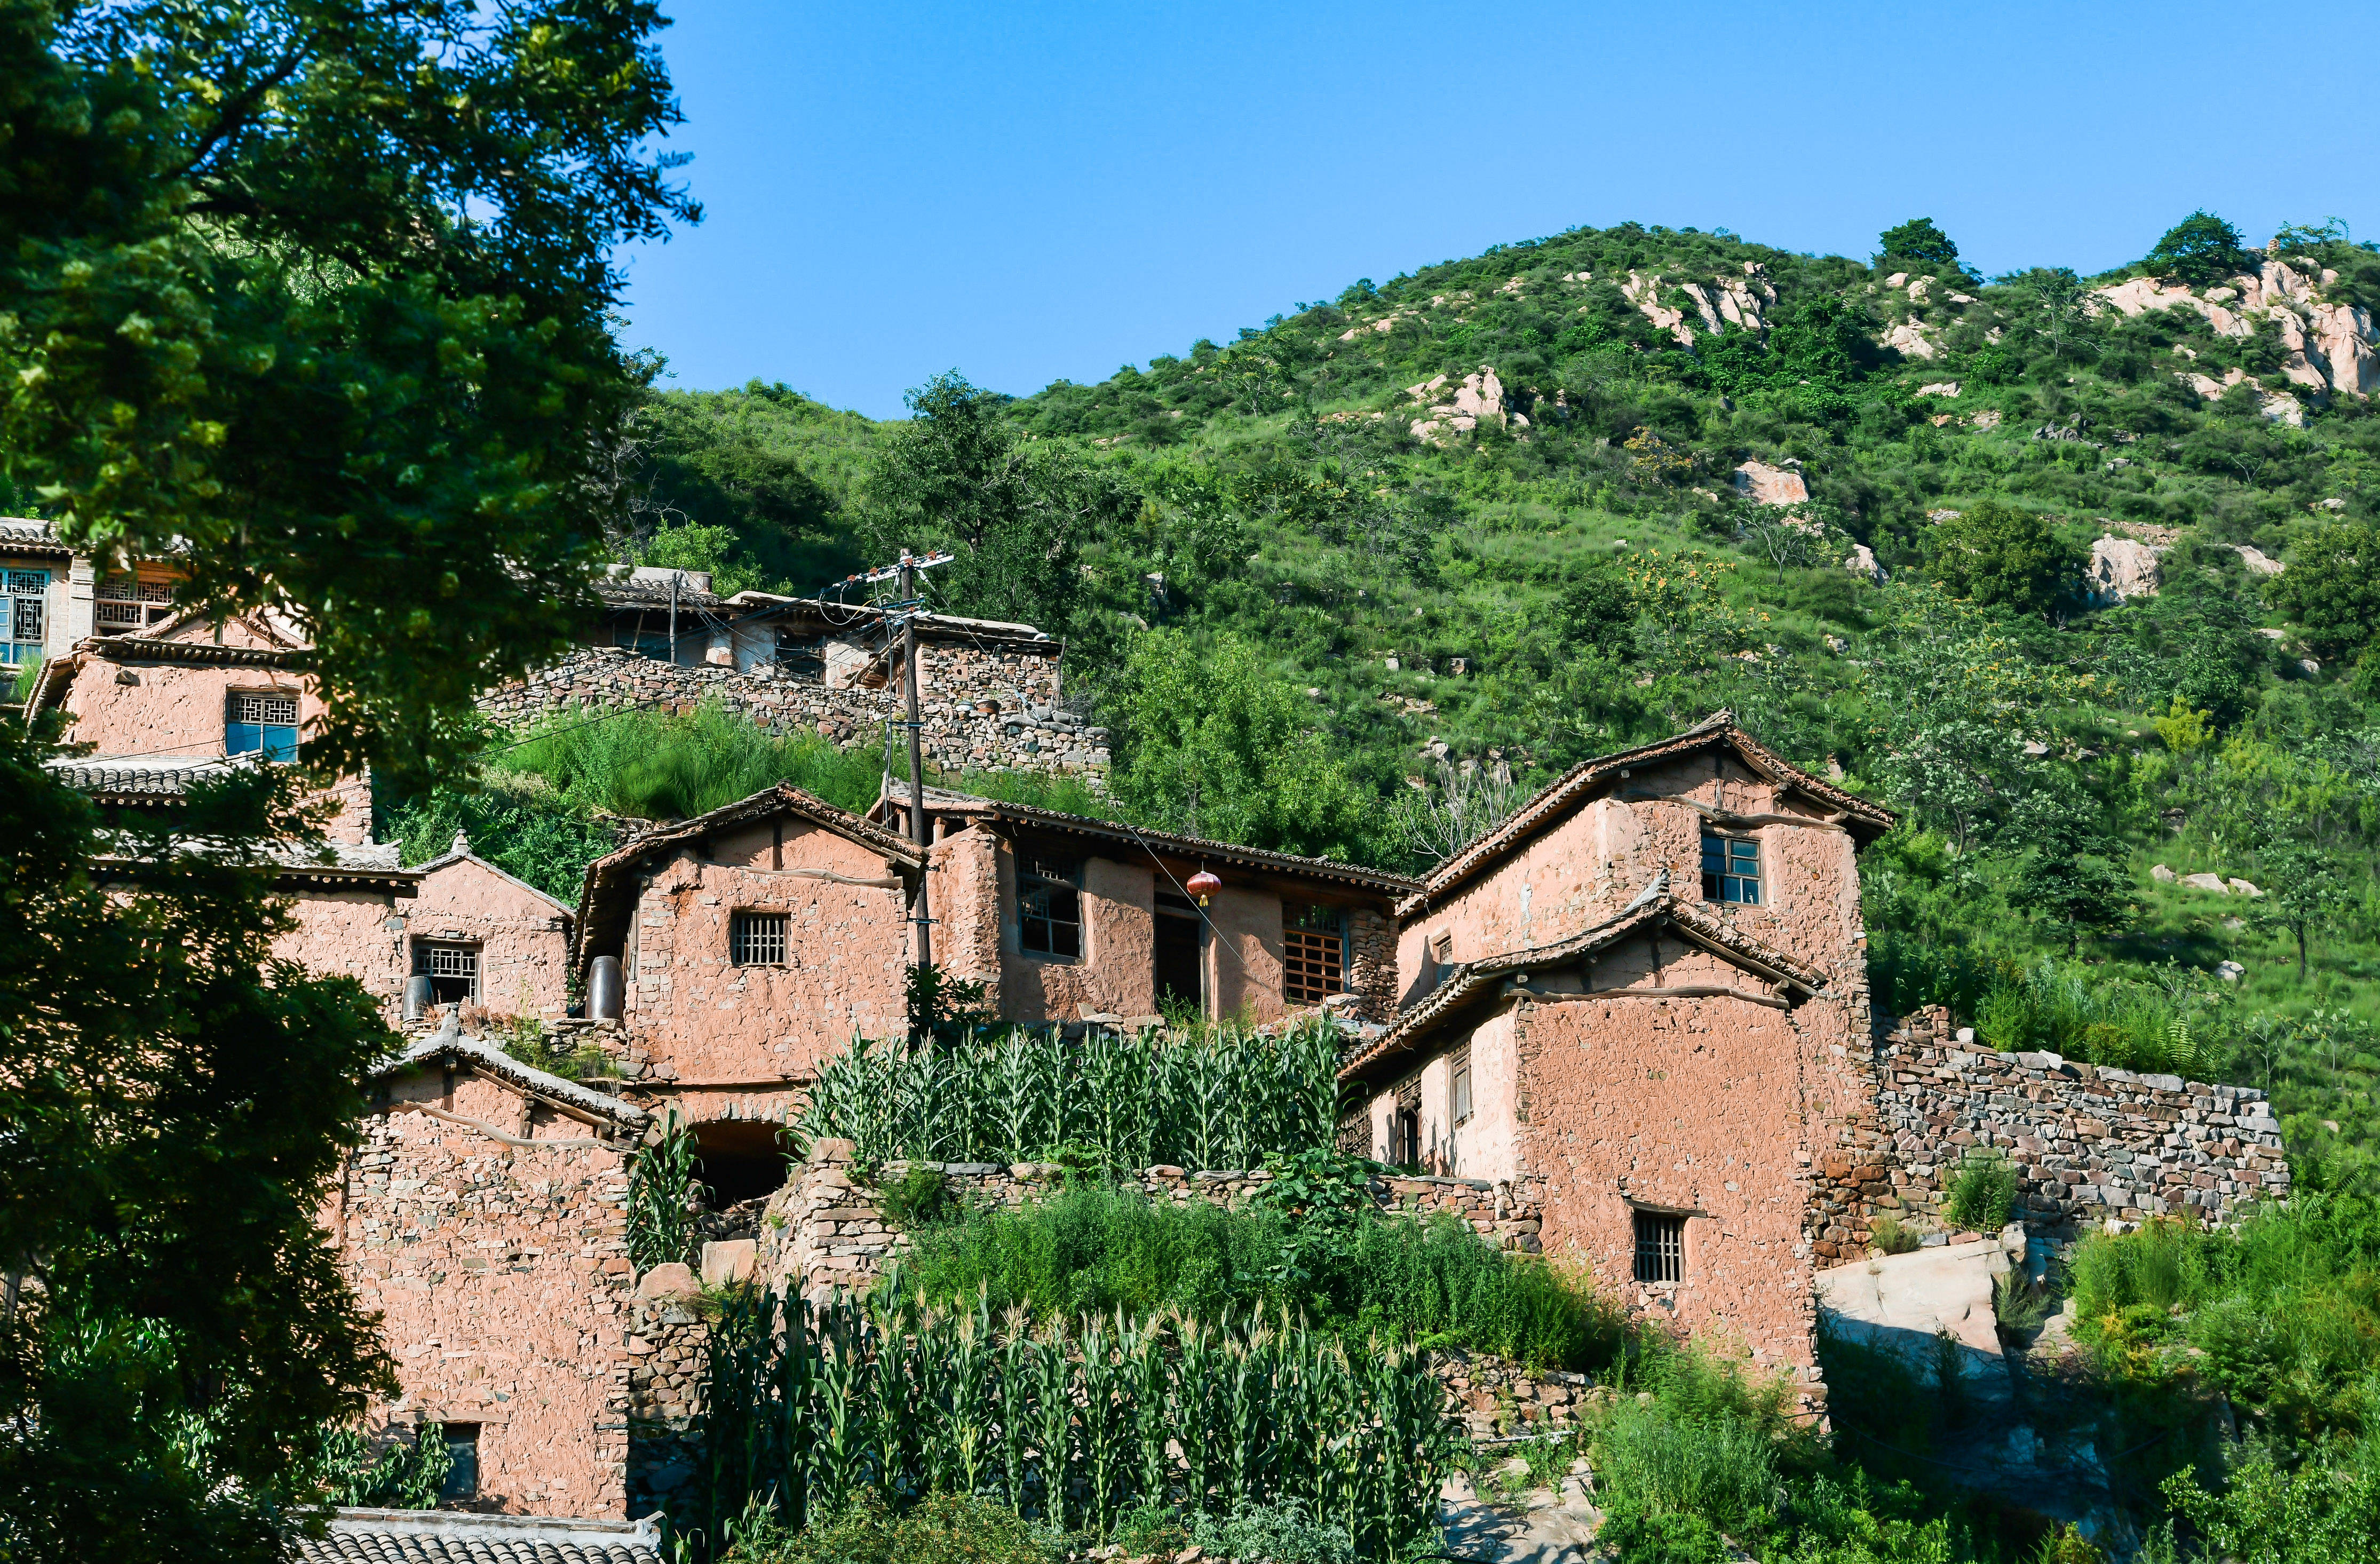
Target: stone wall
(2089, 1142)
(981, 711)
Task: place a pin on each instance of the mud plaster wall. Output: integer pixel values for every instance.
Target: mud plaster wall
(1025, 729)
(168, 709)
(1116, 972)
(1691, 1106)
(523, 938)
(503, 1278)
(696, 1016)
(358, 934)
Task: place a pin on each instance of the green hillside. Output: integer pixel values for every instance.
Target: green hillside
(1326, 608)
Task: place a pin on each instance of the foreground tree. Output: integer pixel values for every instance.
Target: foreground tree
(314, 292)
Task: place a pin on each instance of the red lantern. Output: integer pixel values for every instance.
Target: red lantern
(1203, 885)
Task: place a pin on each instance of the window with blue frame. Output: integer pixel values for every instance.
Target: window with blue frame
(261, 723)
(1731, 870)
(24, 614)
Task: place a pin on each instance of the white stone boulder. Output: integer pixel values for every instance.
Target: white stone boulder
(1908, 338)
(2230, 971)
(2257, 560)
(1863, 560)
(1901, 1303)
(728, 1260)
(1764, 485)
(2206, 882)
(2124, 569)
(2241, 887)
(2163, 875)
(1939, 388)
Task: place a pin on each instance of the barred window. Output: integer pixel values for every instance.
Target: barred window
(1660, 1247)
(261, 723)
(759, 939)
(452, 971)
(1050, 906)
(1731, 870)
(1314, 954)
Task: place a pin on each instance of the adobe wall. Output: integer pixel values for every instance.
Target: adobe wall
(981, 711)
(699, 1017)
(1589, 866)
(356, 934)
(1687, 1104)
(524, 938)
(503, 1278)
(2089, 1142)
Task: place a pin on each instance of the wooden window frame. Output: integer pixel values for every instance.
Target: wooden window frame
(1660, 1247)
(760, 936)
(1725, 881)
(1312, 958)
(1050, 907)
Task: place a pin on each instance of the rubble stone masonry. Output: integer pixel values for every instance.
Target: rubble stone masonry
(981, 710)
(2088, 1142)
(502, 1274)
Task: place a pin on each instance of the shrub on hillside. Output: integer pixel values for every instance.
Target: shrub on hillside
(945, 1528)
(1982, 1193)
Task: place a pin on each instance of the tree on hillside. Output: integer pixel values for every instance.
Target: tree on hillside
(2332, 587)
(1995, 553)
(2062, 308)
(1016, 513)
(2070, 874)
(1214, 744)
(1596, 609)
(1918, 243)
(2200, 249)
(315, 294)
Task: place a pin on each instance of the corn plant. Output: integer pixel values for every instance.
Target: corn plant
(1219, 1096)
(660, 1191)
(1077, 1423)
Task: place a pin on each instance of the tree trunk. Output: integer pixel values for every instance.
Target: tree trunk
(2301, 952)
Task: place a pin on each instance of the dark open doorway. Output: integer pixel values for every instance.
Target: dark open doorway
(742, 1159)
(1178, 983)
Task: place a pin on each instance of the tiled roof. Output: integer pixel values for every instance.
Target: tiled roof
(895, 801)
(440, 1536)
(137, 776)
(23, 535)
(1581, 781)
(449, 1043)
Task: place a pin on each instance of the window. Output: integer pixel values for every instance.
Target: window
(1458, 1090)
(1405, 1147)
(1314, 954)
(452, 971)
(123, 602)
(1660, 1247)
(1731, 870)
(1050, 906)
(800, 655)
(24, 614)
(463, 1463)
(759, 939)
(265, 723)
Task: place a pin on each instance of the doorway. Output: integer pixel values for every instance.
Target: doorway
(1179, 981)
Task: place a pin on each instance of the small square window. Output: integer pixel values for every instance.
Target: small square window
(1660, 1247)
(759, 939)
(1050, 906)
(261, 723)
(452, 971)
(1731, 870)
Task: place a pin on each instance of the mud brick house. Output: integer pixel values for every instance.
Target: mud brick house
(1065, 917)
(485, 1218)
(1636, 1002)
(168, 707)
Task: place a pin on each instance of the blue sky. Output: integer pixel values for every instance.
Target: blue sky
(1034, 192)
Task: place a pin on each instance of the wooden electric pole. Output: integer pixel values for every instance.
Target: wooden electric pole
(917, 751)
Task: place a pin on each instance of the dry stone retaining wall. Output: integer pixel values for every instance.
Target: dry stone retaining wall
(2088, 1142)
(981, 711)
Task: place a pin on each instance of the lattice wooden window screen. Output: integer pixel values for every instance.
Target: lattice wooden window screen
(1314, 954)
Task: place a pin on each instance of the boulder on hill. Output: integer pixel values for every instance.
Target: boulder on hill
(2124, 569)
(2206, 882)
(1764, 485)
(1863, 560)
(2257, 560)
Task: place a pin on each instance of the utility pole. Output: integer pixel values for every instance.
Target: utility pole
(904, 615)
(673, 581)
(917, 751)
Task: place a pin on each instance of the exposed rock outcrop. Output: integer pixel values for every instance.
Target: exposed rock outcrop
(1738, 301)
(2122, 569)
(1909, 339)
(2327, 347)
(1764, 485)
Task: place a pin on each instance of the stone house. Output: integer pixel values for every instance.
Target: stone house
(484, 1218)
(1636, 1004)
(1065, 918)
(52, 597)
(480, 936)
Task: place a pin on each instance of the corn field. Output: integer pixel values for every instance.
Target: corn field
(1221, 1097)
(1074, 1423)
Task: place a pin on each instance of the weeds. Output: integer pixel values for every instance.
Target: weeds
(1894, 1236)
(661, 1194)
(1982, 1193)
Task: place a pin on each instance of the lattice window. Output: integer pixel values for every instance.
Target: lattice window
(124, 604)
(1660, 1247)
(452, 971)
(1050, 906)
(261, 723)
(1314, 954)
(24, 615)
(1731, 870)
(759, 939)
